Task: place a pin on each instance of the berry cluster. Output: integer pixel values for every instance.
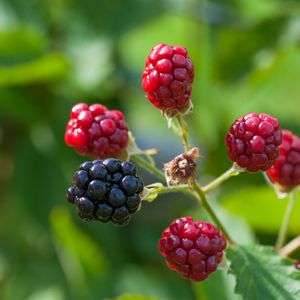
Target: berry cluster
(193, 249)
(110, 191)
(286, 170)
(96, 131)
(107, 190)
(253, 141)
(168, 78)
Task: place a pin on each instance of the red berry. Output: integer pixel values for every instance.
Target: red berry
(286, 170)
(253, 141)
(77, 109)
(96, 131)
(193, 249)
(168, 78)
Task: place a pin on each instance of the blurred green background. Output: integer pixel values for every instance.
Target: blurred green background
(54, 53)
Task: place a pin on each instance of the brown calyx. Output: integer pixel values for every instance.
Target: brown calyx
(182, 167)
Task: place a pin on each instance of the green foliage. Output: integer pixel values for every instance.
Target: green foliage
(263, 274)
(135, 297)
(29, 40)
(207, 290)
(82, 259)
(43, 69)
(54, 53)
(245, 202)
(86, 252)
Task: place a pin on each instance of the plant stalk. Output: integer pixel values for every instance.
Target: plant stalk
(291, 247)
(148, 166)
(233, 171)
(184, 133)
(203, 201)
(286, 220)
(184, 188)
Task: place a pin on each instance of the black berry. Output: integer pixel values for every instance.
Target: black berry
(116, 197)
(71, 194)
(97, 189)
(120, 214)
(129, 184)
(133, 202)
(128, 168)
(97, 161)
(86, 165)
(140, 185)
(85, 217)
(115, 178)
(98, 171)
(85, 205)
(80, 178)
(106, 191)
(112, 165)
(104, 212)
(78, 192)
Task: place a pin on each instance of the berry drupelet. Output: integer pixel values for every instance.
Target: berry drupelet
(168, 78)
(193, 249)
(106, 190)
(96, 131)
(286, 170)
(253, 141)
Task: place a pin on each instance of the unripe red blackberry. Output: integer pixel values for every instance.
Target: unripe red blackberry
(193, 249)
(253, 141)
(286, 170)
(168, 78)
(106, 190)
(96, 131)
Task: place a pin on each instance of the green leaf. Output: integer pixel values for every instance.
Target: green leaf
(262, 274)
(256, 204)
(40, 70)
(256, 10)
(12, 100)
(143, 281)
(29, 40)
(50, 293)
(77, 243)
(206, 290)
(135, 297)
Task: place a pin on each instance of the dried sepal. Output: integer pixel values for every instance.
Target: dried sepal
(182, 167)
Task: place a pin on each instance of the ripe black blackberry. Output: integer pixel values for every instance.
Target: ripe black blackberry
(106, 191)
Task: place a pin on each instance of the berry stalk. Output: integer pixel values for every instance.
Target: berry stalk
(200, 195)
(291, 247)
(286, 220)
(203, 201)
(233, 171)
(158, 188)
(183, 133)
(148, 166)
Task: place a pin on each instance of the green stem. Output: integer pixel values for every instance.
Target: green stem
(148, 166)
(184, 133)
(291, 247)
(184, 188)
(233, 171)
(285, 223)
(203, 201)
(175, 188)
